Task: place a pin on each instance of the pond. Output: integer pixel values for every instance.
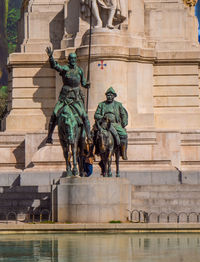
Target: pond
(100, 247)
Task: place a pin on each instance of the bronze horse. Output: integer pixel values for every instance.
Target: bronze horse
(106, 148)
(77, 144)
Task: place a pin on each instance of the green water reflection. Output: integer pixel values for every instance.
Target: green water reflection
(100, 247)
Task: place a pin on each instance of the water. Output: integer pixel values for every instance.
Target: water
(100, 247)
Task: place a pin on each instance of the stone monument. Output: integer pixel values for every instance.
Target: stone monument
(148, 51)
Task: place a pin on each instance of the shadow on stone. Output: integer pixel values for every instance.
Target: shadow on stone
(19, 153)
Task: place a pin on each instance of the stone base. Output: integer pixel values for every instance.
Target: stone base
(93, 199)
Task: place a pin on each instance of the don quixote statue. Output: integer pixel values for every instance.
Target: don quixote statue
(109, 136)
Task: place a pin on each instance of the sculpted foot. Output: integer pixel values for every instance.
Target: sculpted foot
(99, 24)
(110, 26)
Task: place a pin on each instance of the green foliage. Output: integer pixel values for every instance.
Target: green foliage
(3, 101)
(15, 4)
(4, 90)
(115, 221)
(13, 17)
(47, 222)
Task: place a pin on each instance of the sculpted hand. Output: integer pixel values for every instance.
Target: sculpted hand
(49, 51)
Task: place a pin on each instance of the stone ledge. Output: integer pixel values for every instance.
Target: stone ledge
(123, 227)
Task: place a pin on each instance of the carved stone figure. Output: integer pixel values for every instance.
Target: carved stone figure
(116, 10)
(69, 112)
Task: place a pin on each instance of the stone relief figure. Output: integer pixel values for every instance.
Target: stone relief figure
(116, 11)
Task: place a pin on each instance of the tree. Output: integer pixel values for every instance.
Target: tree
(3, 101)
(3, 41)
(13, 17)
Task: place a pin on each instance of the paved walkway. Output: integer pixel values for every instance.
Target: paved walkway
(101, 227)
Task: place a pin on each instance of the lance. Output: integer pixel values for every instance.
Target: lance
(89, 55)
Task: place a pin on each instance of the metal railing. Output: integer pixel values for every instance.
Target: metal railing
(30, 216)
(140, 216)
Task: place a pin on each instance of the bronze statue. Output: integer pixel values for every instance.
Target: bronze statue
(69, 112)
(109, 131)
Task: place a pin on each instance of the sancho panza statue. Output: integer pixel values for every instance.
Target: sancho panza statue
(116, 10)
(117, 115)
(70, 94)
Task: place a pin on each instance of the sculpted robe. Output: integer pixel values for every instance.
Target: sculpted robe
(119, 5)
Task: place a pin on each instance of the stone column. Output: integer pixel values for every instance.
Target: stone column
(43, 25)
(136, 18)
(170, 25)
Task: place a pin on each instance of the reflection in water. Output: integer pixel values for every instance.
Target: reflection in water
(100, 247)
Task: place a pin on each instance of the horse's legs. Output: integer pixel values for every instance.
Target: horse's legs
(68, 163)
(80, 157)
(117, 152)
(104, 165)
(74, 154)
(109, 162)
(66, 154)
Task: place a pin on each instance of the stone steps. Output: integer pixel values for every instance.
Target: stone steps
(167, 195)
(166, 198)
(180, 187)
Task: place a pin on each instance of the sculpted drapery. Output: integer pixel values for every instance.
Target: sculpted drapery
(116, 9)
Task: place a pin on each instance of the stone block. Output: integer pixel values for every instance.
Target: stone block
(39, 178)
(177, 101)
(168, 91)
(176, 80)
(29, 72)
(175, 119)
(8, 179)
(191, 177)
(24, 122)
(175, 70)
(30, 103)
(30, 92)
(93, 202)
(34, 82)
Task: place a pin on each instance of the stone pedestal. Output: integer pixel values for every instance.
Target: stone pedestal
(93, 199)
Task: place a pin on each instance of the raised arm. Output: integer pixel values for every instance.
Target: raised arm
(52, 61)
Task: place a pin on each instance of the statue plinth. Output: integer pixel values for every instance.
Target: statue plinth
(93, 200)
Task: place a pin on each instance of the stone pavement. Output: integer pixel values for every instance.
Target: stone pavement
(99, 227)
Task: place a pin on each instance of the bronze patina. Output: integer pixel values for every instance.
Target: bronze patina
(110, 135)
(69, 112)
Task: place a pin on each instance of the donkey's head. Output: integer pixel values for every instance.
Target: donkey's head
(103, 134)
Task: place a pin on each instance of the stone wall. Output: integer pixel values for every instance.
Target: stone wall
(152, 62)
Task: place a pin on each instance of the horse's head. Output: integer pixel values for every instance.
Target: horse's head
(103, 134)
(67, 125)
